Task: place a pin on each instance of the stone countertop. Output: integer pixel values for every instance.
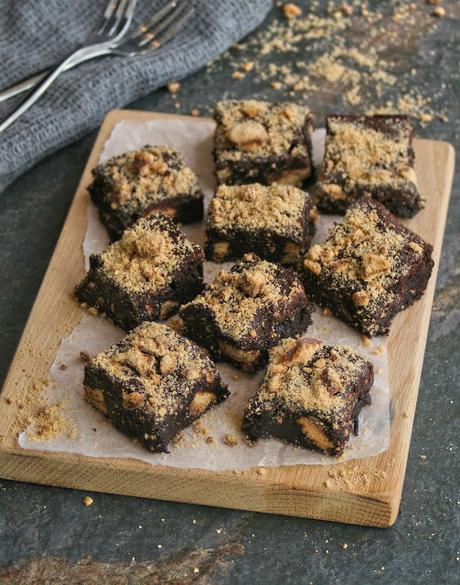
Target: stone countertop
(397, 56)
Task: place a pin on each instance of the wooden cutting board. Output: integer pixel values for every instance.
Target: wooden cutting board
(364, 491)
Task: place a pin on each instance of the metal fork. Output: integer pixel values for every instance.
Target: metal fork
(116, 21)
(150, 35)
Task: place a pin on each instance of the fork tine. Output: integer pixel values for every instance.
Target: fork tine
(154, 30)
(145, 26)
(118, 16)
(176, 26)
(108, 13)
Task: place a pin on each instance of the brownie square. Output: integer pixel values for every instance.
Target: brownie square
(262, 142)
(246, 311)
(137, 183)
(272, 221)
(145, 276)
(369, 269)
(152, 384)
(369, 155)
(311, 396)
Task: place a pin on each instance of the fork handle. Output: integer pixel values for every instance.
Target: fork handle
(22, 86)
(46, 78)
(30, 82)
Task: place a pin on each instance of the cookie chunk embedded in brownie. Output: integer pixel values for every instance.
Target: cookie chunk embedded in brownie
(369, 155)
(152, 384)
(246, 311)
(137, 183)
(311, 396)
(144, 276)
(272, 221)
(369, 269)
(262, 142)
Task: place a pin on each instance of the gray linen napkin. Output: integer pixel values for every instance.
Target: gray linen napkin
(36, 33)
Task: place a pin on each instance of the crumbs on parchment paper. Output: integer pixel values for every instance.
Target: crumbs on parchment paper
(42, 420)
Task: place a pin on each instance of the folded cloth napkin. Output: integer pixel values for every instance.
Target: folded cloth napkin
(34, 34)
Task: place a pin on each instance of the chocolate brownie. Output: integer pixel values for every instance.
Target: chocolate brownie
(311, 396)
(272, 221)
(145, 276)
(370, 268)
(369, 155)
(261, 142)
(246, 311)
(137, 183)
(152, 384)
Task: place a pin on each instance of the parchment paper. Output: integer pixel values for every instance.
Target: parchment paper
(95, 436)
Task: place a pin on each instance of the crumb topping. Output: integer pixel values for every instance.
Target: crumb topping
(147, 255)
(367, 252)
(143, 177)
(307, 375)
(157, 367)
(251, 291)
(257, 128)
(366, 151)
(254, 206)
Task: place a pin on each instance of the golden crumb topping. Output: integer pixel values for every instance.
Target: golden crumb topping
(237, 297)
(261, 128)
(146, 176)
(361, 152)
(278, 207)
(307, 375)
(157, 367)
(147, 255)
(367, 252)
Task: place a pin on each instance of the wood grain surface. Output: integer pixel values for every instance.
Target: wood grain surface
(364, 491)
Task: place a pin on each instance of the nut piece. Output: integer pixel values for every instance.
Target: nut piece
(220, 251)
(290, 10)
(132, 400)
(374, 265)
(248, 135)
(88, 500)
(95, 397)
(361, 298)
(201, 401)
(314, 267)
(312, 429)
(251, 283)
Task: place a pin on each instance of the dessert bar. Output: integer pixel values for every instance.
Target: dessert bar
(369, 269)
(246, 311)
(369, 155)
(145, 275)
(152, 384)
(311, 396)
(140, 182)
(261, 142)
(272, 221)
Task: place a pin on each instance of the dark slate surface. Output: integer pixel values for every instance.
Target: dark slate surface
(48, 535)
